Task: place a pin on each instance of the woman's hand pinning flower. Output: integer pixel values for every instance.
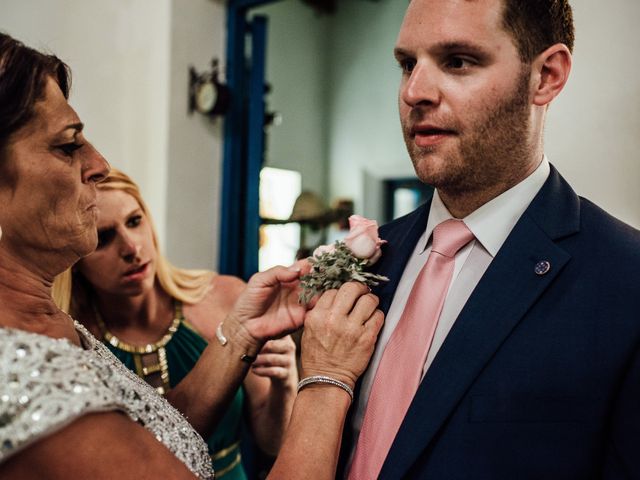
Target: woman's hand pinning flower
(344, 261)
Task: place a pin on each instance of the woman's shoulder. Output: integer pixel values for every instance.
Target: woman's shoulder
(216, 304)
(46, 383)
(223, 289)
(226, 286)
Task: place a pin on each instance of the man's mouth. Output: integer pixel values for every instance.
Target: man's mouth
(429, 135)
(429, 130)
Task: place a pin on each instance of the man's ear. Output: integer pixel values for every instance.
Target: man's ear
(550, 73)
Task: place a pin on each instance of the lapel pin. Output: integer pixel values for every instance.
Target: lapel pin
(542, 267)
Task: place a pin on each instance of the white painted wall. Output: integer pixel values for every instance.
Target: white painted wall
(130, 63)
(118, 51)
(365, 140)
(194, 142)
(297, 70)
(593, 130)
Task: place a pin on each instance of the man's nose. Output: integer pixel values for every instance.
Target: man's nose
(422, 87)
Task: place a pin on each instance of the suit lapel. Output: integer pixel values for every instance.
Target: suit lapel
(401, 236)
(506, 292)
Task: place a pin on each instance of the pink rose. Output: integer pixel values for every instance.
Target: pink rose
(324, 249)
(363, 240)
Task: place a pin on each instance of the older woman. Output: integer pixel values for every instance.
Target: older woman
(158, 319)
(68, 407)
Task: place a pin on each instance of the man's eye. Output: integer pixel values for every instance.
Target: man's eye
(68, 148)
(407, 65)
(458, 63)
(134, 221)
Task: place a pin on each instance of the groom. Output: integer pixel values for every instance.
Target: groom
(511, 348)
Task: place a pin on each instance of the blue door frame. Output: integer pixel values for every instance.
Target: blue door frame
(243, 140)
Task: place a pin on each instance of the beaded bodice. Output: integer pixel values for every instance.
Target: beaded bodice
(47, 383)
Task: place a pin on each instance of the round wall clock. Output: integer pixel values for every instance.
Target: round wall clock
(206, 94)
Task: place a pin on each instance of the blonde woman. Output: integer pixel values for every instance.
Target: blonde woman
(158, 319)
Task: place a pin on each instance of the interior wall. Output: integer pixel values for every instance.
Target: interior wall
(194, 141)
(593, 128)
(365, 141)
(334, 82)
(130, 62)
(297, 70)
(118, 53)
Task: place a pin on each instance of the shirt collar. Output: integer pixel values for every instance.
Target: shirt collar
(493, 221)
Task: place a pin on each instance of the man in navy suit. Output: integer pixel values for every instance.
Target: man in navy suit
(534, 368)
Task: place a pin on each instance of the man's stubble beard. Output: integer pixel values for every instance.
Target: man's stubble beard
(492, 153)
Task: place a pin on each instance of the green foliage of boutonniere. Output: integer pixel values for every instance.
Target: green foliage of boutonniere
(333, 266)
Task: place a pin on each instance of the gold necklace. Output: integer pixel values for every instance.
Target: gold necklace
(150, 360)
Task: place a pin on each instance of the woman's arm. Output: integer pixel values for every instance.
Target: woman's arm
(206, 392)
(271, 391)
(267, 308)
(338, 341)
(272, 379)
(312, 441)
(97, 446)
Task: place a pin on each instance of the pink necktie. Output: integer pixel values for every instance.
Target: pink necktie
(400, 370)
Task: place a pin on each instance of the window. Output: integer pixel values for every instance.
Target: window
(279, 240)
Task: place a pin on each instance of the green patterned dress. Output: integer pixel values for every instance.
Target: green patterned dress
(164, 364)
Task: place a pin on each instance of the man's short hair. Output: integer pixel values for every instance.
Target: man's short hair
(538, 24)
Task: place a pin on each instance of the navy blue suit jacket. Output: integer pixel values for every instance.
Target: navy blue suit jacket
(539, 378)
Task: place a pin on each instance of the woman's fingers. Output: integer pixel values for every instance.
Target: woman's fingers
(374, 323)
(275, 275)
(303, 265)
(326, 300)
(341, 332)
(347, 297)
(364, 308)
(272, 372)
(351, 303)
(276, 353)
(272, 359)
(276, 359)
(281, 345)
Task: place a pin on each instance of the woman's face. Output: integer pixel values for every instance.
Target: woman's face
(48, 174)
(125, 261)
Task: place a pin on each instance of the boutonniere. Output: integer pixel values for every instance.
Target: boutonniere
(345, 260)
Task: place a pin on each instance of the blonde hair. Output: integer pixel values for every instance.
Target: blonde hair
(72, 292)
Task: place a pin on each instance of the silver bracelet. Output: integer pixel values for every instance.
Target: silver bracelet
(327, 380)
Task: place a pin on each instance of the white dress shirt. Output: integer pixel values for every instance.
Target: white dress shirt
(491, 225)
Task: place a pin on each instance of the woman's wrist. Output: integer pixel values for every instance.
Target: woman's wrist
(325, 380)
(344, 377)
(232, 333)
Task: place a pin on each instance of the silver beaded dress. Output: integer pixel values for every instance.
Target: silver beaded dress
(46, 383)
